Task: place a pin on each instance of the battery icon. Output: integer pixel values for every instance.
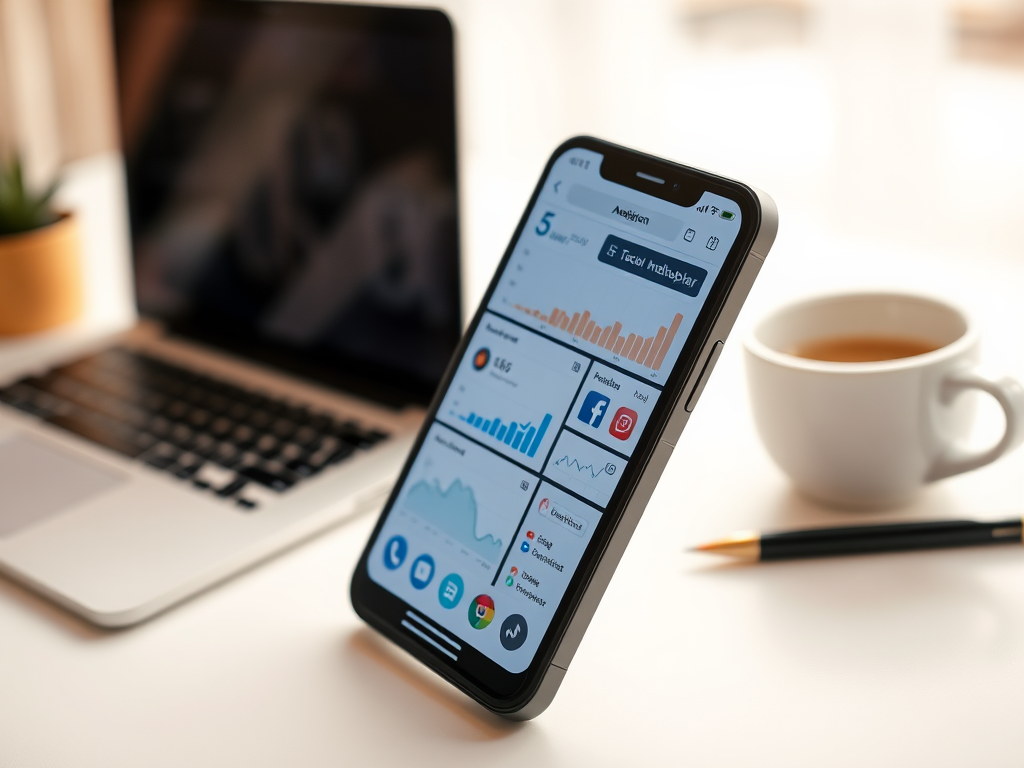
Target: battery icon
(727, 215)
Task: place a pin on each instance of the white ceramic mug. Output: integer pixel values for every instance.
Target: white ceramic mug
(872, 434)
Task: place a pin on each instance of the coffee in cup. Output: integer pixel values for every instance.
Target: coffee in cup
(863, 349)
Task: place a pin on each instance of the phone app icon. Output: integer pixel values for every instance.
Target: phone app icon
(623, 423)
(422, 571)
(513, 632)
(530, 534)
(593, 408)
(511, 578)
(394, 552)
(525, 546)
(481, 357)
(481, 611)
(450, 591)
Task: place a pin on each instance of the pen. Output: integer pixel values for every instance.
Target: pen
(860, 539)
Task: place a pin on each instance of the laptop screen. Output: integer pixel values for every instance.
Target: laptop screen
(292, 184)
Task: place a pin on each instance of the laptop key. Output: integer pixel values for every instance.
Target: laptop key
(181, 436)
(204, 445)
(215, 477)
(158, 426)
(184, 472)
(244, 437)
(283, 428)
(341, 453)
(305, 437)
(290, 452)
(350, 433)
(233, 487)
(238, 411)
(302, 469)
(278, 482)
(260, 419)
(160, 462)
(221, 427)
(198, 418)
(176, 410)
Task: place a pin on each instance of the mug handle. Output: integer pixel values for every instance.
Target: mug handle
(1010, 396)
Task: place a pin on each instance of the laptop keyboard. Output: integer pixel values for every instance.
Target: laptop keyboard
(227, 440)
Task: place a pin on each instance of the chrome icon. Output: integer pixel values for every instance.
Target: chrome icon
(481, 612)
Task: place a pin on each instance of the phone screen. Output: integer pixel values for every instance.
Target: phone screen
(546, 408)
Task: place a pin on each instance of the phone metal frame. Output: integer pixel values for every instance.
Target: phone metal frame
(680, 393)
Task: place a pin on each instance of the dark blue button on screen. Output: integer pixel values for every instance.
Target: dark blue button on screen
(657, 267)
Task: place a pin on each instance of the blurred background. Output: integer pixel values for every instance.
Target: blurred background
(889, 126)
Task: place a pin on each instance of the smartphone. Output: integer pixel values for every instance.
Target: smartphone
(557, 416)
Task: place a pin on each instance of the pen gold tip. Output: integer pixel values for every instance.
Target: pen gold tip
(744, 545)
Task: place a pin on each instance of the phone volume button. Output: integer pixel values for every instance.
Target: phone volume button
(705, 373)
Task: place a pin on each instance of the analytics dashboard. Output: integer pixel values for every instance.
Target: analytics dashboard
(546, 407)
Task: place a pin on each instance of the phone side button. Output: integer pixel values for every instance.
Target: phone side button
(705, 374)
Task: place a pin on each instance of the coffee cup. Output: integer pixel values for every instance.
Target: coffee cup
(865, 398)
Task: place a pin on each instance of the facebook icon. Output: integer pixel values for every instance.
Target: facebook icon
(593, 409)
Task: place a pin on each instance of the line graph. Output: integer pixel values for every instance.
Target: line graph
(567, 462)
(585, 468)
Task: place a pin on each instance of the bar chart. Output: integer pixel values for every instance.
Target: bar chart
(647, 351)
(524, 438)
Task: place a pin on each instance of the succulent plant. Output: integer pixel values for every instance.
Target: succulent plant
(20, 209)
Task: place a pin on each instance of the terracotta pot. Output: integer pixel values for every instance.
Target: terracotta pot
(40, 278)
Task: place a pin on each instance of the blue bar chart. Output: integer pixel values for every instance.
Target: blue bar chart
(524, 438)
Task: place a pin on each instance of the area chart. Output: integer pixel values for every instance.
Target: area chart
(454, 511)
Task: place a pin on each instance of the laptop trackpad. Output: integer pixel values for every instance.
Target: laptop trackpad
(37, 481)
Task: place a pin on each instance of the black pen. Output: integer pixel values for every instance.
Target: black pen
(861, 539)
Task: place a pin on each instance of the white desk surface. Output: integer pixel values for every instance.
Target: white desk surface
(900, 168)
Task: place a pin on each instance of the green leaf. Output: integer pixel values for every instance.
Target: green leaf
(20, 209)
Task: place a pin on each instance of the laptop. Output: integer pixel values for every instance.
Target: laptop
(292, 197)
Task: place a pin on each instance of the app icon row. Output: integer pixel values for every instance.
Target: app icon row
(450, 591)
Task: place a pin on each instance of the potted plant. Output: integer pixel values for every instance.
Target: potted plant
(40, 272)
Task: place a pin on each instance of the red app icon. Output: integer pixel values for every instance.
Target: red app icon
(529, 534)
(623, 423)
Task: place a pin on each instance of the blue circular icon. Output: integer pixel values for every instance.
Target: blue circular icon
(450, 591)
(422, 571)
(395, 551)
